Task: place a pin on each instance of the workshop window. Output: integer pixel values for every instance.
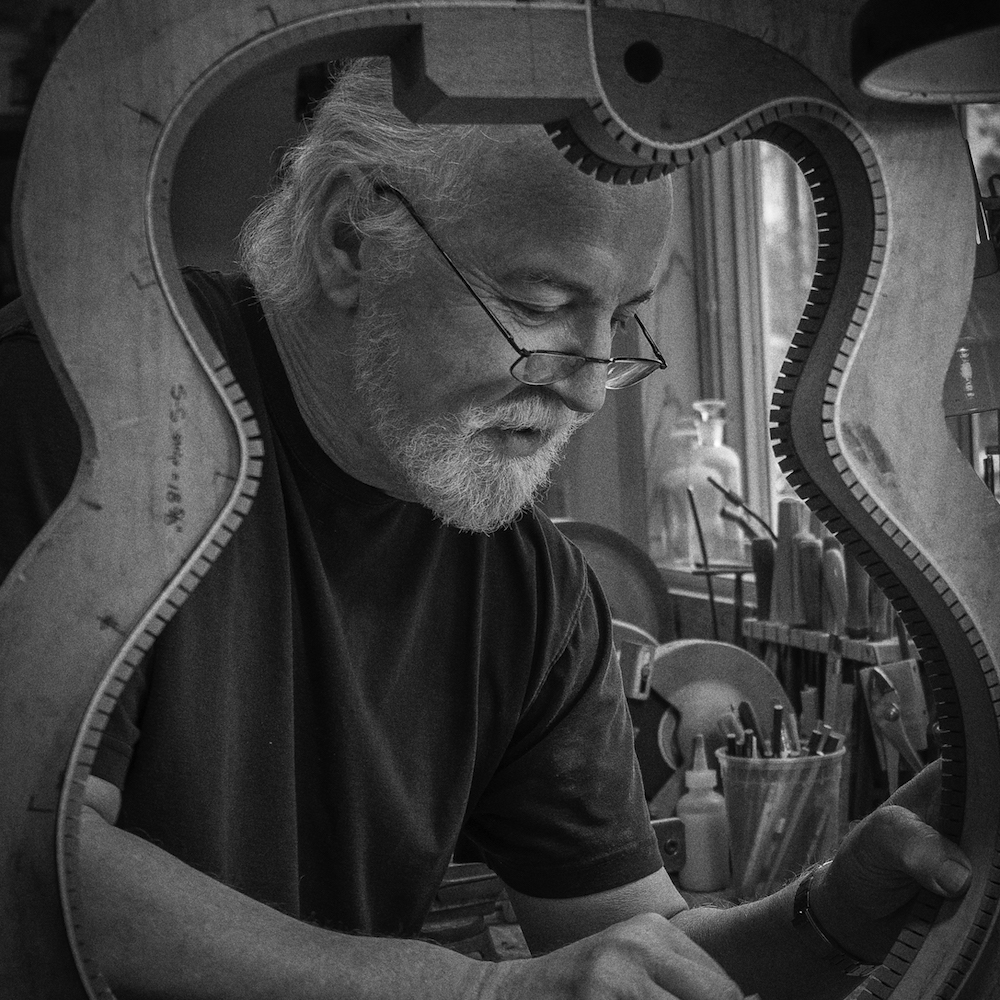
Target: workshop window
(972, 387)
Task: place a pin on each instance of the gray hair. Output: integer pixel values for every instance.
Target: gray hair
(356, 130)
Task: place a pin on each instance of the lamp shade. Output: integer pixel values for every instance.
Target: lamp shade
(926, 52)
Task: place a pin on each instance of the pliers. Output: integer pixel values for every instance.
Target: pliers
(887, 719)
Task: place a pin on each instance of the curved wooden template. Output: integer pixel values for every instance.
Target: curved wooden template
(138, 369)
(185, 408)
(832, 436)
(859, 423)
(860, 430)
(845, 446)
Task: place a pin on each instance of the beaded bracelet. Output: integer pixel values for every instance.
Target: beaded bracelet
(805, 922)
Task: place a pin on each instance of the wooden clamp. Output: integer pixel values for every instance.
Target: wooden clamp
(170, 449)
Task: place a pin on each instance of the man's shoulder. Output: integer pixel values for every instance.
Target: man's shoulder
(553, 571)
(231, 287)
(228, 306)
(546, 539)
(221, 297)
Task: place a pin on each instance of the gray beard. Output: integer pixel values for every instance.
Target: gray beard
(453, 469)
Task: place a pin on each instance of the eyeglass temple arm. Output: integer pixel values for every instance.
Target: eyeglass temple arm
(382, 186)
(649, 340)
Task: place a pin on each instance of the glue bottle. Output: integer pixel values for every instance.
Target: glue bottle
(706, 834)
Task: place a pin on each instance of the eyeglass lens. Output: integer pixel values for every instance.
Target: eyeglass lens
(547, 367)
(543, 368)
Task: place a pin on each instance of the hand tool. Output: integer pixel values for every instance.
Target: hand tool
(785, 598)
(783, 594)
(833, 617)
(762, 560)
(737, 501)
(890, 726)
(704, 559)
(748, 719)
(809, 558)
(808, 565)
(779, 740)
(858, 624)
(880, 614)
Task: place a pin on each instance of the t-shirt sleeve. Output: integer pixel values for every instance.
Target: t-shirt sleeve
(114, 754)
(564, 814)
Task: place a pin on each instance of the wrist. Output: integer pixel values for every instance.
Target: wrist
(495, 980)
(813, 931)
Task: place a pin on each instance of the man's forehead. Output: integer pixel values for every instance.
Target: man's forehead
(523, 166)
(527, 199)
(529, 273)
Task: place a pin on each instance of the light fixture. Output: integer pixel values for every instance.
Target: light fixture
(924, 52)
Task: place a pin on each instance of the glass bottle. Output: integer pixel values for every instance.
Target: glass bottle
(670, 519)
(712, 459)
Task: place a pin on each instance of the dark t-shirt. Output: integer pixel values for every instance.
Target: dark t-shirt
(353, 685)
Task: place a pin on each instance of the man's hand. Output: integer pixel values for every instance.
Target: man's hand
(644, 958)
(861, 899)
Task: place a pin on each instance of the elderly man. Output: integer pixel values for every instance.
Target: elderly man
(397, 648)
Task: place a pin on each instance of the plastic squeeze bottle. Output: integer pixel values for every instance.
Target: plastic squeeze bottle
(706, 834)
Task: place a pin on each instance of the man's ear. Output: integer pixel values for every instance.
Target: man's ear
(336, 248)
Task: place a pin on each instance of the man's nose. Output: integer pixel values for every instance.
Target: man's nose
(584, 390)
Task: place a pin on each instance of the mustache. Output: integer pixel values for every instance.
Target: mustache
(525, 412)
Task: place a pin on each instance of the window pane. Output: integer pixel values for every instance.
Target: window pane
(787, 249)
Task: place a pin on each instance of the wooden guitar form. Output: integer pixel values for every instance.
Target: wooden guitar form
(630, 89)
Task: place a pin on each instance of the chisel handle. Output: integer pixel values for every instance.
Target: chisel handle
(858, 624)
(762, 560)
(784, 593)
(834, 602)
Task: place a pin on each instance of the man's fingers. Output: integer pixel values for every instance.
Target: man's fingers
(675, 963)
(930, 859)
(662, 936)
(644, 958)
(922, 793)
(684, 979)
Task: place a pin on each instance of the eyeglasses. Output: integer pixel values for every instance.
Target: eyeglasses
(547, 367)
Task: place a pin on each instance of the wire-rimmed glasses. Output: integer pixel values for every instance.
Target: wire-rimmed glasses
(548, 367)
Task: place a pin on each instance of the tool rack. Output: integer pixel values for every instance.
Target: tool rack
(868, 652)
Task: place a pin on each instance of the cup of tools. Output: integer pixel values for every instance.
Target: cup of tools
(783, 815)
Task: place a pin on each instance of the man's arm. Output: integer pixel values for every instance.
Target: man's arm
(162, 929)
(861, 900)
(548, 924)
(760, 949)
(754, 942)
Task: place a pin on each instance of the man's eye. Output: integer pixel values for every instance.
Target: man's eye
(532, 312)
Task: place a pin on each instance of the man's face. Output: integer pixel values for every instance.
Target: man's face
(561, 260)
